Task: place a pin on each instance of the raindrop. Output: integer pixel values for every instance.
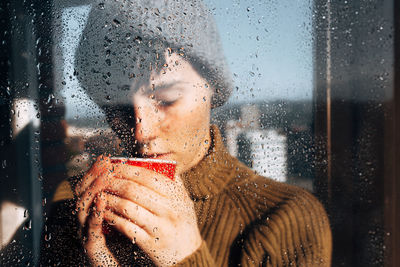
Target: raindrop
(47, 237)
(138, 39)
(51, 97)
(28, 225)
(116, 23)
(4, 164)
(101, 5)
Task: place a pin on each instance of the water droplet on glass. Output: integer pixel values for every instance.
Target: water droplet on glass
(138, 39)
(101, 5)
(28, 225)
(26, 213)
(116, 22)
(50, 98)
(4, 164)
(47, 237)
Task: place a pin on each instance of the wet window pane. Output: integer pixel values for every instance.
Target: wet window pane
(270, 109)
(217, 133)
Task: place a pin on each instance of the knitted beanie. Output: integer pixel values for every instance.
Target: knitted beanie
(124, 39)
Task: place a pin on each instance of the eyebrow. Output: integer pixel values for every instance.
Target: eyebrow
(167, 85)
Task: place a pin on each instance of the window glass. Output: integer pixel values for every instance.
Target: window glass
(269, 52)
(218, 133)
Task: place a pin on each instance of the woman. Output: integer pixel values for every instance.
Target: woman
(157, 69)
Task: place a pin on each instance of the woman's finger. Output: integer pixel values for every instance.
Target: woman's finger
(132, 212)
(101, 167)
(95, 244)
(95, 221)
(128, 228)
(85, 201)
(148, 178)
(147, 198)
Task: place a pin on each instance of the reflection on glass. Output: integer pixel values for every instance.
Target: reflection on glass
(276, 81)
(159, 80)
(154, 80)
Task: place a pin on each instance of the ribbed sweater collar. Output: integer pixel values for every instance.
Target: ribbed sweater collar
(210, 176)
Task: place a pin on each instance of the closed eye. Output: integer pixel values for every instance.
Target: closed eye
(166, 103)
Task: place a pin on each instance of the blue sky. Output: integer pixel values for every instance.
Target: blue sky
(267, 43)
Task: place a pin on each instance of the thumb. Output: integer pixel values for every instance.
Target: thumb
(95, 222)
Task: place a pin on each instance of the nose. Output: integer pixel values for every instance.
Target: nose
(148, 119)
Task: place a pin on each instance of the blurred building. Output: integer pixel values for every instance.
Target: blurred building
(264, 150)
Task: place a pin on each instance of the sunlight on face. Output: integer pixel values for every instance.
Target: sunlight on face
(173, 114)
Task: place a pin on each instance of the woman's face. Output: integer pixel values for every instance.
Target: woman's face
(172, 115)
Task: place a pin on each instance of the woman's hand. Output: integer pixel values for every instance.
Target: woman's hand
(90, 207)
(153, 211)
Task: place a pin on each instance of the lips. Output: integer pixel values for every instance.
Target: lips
(157, 155)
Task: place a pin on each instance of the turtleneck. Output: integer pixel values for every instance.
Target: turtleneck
(209, 177)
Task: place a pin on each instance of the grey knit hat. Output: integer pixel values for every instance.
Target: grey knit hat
(124, 40)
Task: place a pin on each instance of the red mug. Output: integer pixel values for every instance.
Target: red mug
(165, 167)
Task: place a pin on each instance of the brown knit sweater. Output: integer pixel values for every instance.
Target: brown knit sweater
(244, 219)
